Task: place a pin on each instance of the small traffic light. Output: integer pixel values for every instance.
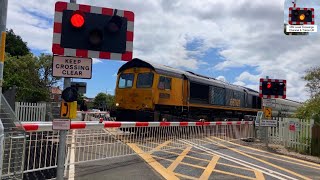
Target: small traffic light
(272, 88)
(95, 32)
(70, 94)
(301, 16)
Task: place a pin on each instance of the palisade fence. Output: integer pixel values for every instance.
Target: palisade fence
(30, 111)
(292, 133)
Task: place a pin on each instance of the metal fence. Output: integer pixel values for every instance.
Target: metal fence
(30, 111)
(292, 133)
(92, 141)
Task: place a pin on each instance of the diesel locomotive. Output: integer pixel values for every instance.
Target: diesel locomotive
(152, 92)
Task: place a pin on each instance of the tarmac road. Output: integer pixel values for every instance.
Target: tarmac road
(206, 158)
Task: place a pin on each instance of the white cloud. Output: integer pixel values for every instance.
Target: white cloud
(95, 60)
(221, 78)
(250, 34)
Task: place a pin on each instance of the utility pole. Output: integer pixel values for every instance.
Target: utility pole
(63, 136)
(3, 24)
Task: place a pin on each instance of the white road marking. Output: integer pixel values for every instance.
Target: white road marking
(264, 170)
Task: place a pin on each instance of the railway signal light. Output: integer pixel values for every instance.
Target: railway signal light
(77, 19)
(94, 32)
(272, 88)
(301, 16)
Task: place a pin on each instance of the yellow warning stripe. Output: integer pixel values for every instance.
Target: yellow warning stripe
(282, 156)
(259, 175)
(153, 163)
(176, 162)
(266, 162)
(185, 176)
(212, 164)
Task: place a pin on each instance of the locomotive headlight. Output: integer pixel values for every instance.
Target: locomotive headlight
(117, 104)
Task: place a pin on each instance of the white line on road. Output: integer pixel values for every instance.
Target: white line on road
(241, 162)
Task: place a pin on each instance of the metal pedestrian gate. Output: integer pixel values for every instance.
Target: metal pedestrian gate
(93, 141)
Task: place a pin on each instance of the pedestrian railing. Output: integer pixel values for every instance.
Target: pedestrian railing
(92, 141)
(30, 111)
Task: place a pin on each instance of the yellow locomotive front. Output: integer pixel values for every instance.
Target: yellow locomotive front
(134, 94)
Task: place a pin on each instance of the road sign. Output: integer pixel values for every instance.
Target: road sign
(88, 31)
(61, 124)
(268, 123)
(267, 112)
(272, 88)
(72, 67)
(269, 103)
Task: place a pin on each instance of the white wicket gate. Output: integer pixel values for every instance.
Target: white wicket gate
(30, 111)
(292, 133)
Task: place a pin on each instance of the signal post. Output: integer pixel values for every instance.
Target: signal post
(270, 88)
(80, 33)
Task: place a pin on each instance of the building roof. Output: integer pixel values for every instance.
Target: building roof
(55, 90)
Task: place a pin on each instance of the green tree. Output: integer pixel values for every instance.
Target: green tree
(104, 101)
(111, 102)
(15, 46)
(311, 108)
(32, 75)
(313, 80)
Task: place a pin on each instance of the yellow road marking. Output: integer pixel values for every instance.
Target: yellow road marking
(232, 174)
(281, 160)
(244, 168)
(185, 176)
(179, 159)
(207, 172)
(197, 158)
(144, 146)
(162, 158)
(282, 156)
(192, 165)
(189, 156)
(259, 175)
(152, 162)
(266, 162)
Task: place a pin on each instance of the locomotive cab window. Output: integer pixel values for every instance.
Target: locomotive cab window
(164, 83)
(145, 80)
(125, 80)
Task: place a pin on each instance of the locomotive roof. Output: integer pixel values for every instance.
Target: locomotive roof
(166, 70)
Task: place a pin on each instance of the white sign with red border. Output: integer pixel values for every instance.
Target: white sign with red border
(61, 124)
(72, 67)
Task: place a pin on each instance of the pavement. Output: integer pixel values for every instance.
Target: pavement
(207, 158)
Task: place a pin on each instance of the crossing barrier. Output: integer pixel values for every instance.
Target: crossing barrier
(91, 141)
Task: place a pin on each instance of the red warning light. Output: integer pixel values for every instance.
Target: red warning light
(77, 20)
(269, 85)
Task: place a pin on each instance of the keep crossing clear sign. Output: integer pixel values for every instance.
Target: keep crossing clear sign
(72, 67)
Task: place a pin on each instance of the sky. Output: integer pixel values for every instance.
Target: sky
(238, 41)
